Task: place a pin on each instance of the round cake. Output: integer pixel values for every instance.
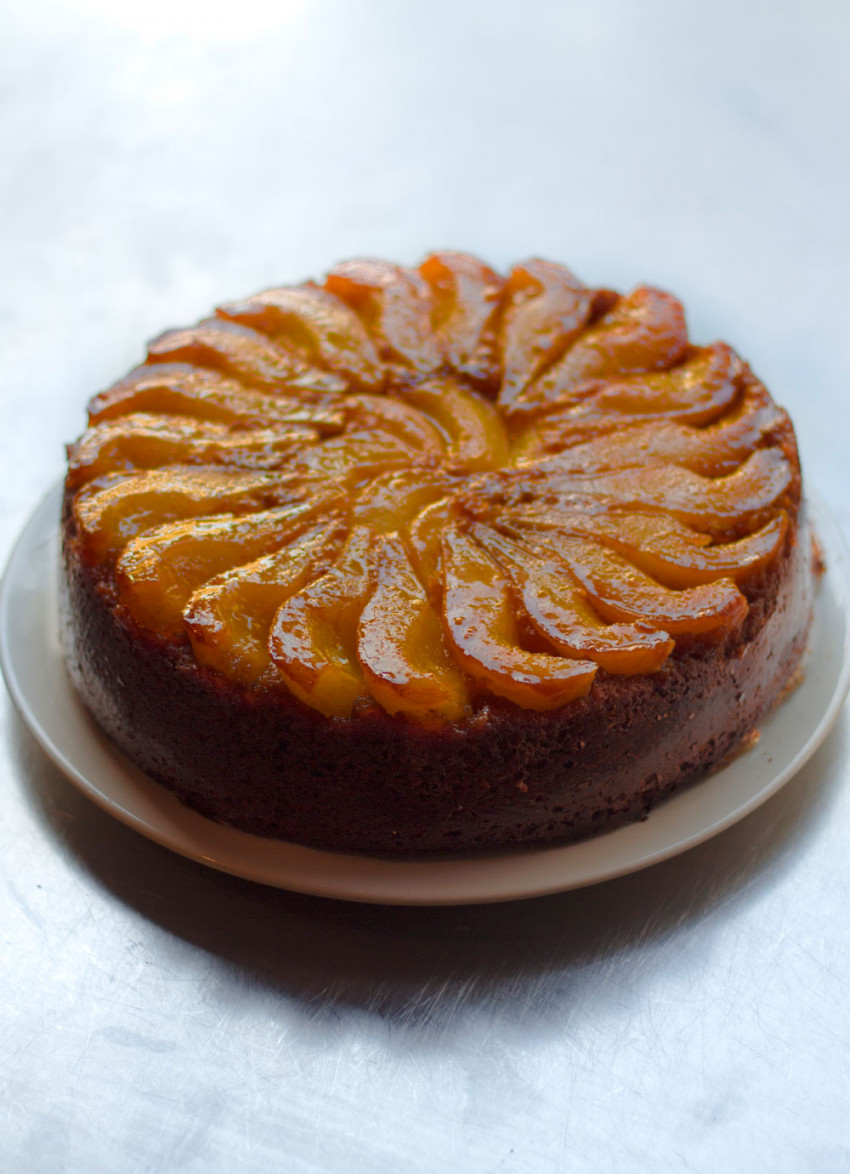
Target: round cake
(428, 559)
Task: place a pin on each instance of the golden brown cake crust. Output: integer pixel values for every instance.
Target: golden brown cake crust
(501, 767)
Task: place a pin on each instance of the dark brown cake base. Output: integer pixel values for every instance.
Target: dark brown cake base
(267, 764)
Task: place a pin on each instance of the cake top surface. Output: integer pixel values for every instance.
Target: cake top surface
(418, 488)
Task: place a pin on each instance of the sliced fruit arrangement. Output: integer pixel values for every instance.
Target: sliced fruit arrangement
(402, 646)
(145, 441)
(158, 570)
(481, 622)
(474, 432)
(183, 390)
(423, 489)
(241, 353)
(309, 320)
(466, 310)
(643, 332)
(562, 612)
(395, 307)
(113, 510)
(545, 311)
(228, 618)
(313, 639)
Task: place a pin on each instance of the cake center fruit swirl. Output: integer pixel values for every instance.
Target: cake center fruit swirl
(418, 489)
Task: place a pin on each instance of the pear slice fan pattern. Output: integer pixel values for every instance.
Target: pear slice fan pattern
(418, 489)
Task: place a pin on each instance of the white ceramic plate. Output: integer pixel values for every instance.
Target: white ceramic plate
(32, 663)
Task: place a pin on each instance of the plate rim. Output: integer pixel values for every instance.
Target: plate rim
(346, 876)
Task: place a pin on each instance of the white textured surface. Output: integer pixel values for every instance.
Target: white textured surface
(157, 1017)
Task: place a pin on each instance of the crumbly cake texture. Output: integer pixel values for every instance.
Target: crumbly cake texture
(434, 559)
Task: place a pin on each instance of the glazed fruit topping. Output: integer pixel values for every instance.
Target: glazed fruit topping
(401, 644)
(423, 490)
(316, 325)
(241, 353)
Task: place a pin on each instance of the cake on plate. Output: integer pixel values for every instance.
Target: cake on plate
(434, 559)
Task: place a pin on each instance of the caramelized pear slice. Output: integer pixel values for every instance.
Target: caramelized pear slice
(399, 419)
(739, 502)
(472, 425)
(545, 310)
(395, 307)
(695, 392)
(110, 516)
(711, 451)
(423, 537)
(466, 296)
(158, 571)
(143, 440)
(354, 459)
(482, 630)
(401, 645)
(394, 499)
(558, 609)
(313, 322)
(715, 505)
(313, 639)
(670, 552)
(677, 565)
(644, 332)
(621, 592)
(229, 618)
(181, 389)
(242, 353)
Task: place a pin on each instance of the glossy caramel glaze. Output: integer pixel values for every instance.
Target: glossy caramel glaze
(426, 489)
